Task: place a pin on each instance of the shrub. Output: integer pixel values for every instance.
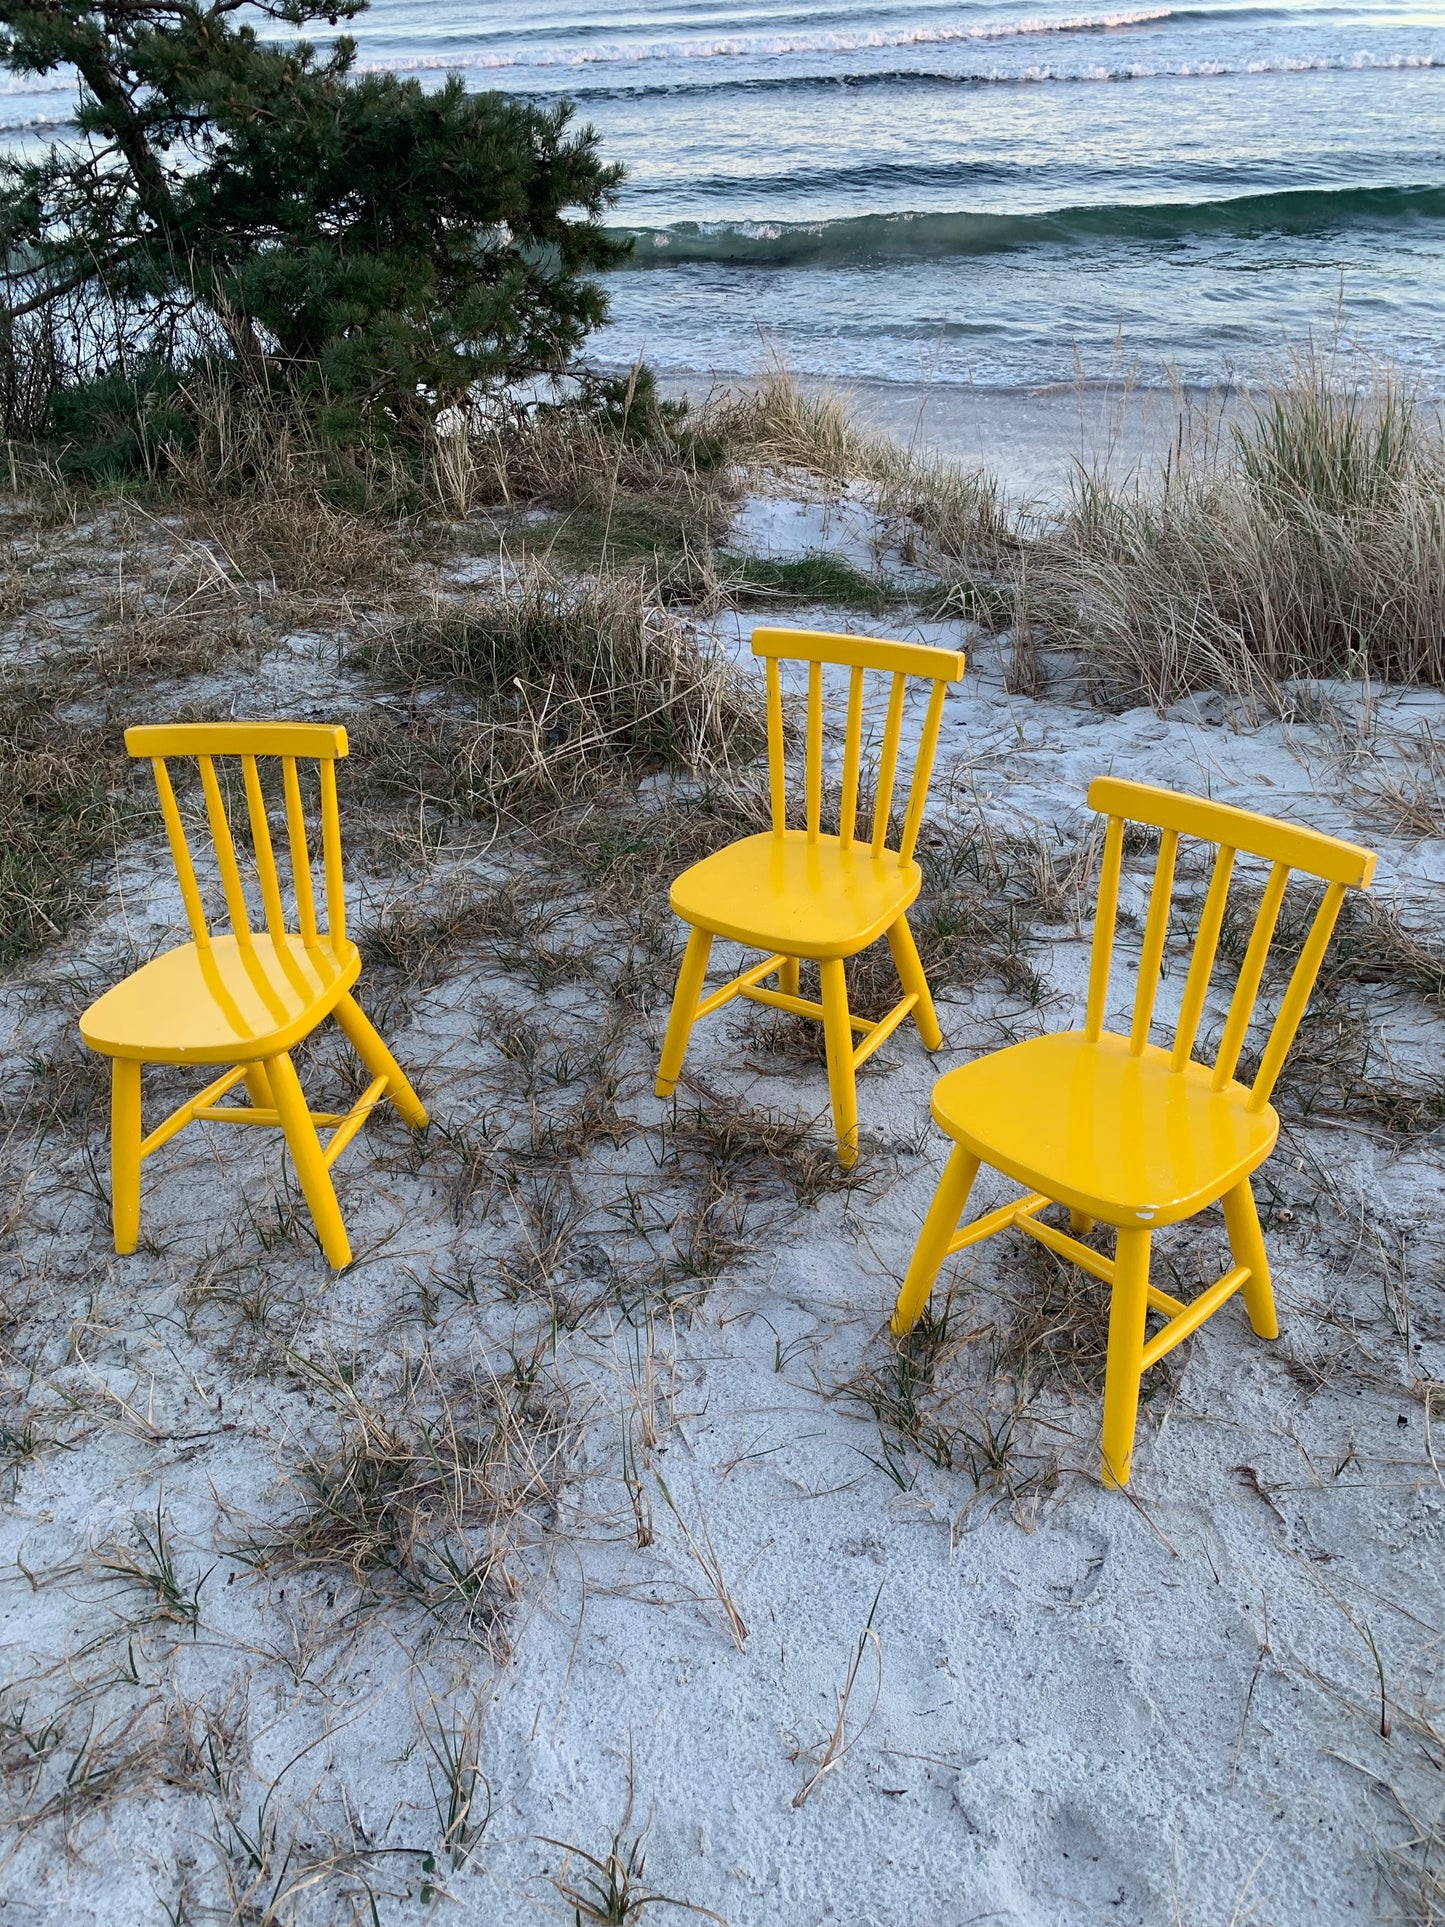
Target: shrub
(232, 194)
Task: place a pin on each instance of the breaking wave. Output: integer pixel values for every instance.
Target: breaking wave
(865, 237)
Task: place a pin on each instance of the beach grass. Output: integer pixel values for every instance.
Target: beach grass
(569, 680)
(546, 1274)
(1306, 542)
(929, 504)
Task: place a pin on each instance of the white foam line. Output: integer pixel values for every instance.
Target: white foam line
(1361, 62)
(742, 46)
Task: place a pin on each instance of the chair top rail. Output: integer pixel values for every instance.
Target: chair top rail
(1327, 857)
(237, 739)
(860, 652)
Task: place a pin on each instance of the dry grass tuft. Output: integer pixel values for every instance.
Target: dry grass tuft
(461, 1792)
(610, 1888)
(1339, 1067)
(572, 682)
(1373, 944)
(433, 1501)
(636, 484)
(66, 796)
(938, 511)
(1407, 789)
(739, 1150)
(1308, 543)
(987, 891)
(63, 1769)
(280, 502)
(146, 1564)
(1413, 1868)
(414, 941)
(121, 609)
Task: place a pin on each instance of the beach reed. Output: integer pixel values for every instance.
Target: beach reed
(568, 680)
(931, 505)
(1306, 542)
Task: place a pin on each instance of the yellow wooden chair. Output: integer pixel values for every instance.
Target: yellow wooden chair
(799, 893)
(243, 999)
(1129, 1132)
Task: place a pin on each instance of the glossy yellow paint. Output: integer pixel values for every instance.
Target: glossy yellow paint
(1121, 1138)
(197, 1006)
(1128, 1133)
(244, 998)
(797, 893)
(808, 897)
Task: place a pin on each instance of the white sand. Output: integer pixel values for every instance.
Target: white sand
(1082, 1707)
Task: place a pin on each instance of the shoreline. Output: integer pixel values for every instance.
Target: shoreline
(1033, 439)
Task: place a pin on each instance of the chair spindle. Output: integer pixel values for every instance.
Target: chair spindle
(1251, 971)
(922, 772)
(300, 857)
(181, 856)
(852, 751)
(888, 765)
(777, 775)
(265, 854)
(1201, 966)
(331, 847)
(225, 851)
(1156, 930)
(1292, 1009)
(813, 773)
(1103, 947)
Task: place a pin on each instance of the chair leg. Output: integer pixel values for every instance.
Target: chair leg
(1127, 1314)
(788, 977)
(1246, 1243)
(258, 1086)
(365, 1040)
(909, 966)
(311, 1167)
(939, 1226)
(838, 1033)
(125, 1153)
(684, 1010)
(1080, 1223)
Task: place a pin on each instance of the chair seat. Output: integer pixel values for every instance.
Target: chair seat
(231, 1004)
(805, 899)
(1122, 1138)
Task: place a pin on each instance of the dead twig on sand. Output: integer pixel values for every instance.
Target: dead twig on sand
(841, 1741)
(706, 1557)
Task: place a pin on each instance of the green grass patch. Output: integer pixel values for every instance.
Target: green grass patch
(672, 539)
(817, 578)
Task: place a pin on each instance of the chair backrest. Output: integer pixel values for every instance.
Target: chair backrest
(857, 654)
(310, 742)
(1285, 846)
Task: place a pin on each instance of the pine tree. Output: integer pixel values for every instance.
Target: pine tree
(229, 182)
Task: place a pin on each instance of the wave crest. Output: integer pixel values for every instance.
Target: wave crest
(859, 238)
(1362, 62)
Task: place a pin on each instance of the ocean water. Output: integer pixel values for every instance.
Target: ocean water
(1003, 193)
